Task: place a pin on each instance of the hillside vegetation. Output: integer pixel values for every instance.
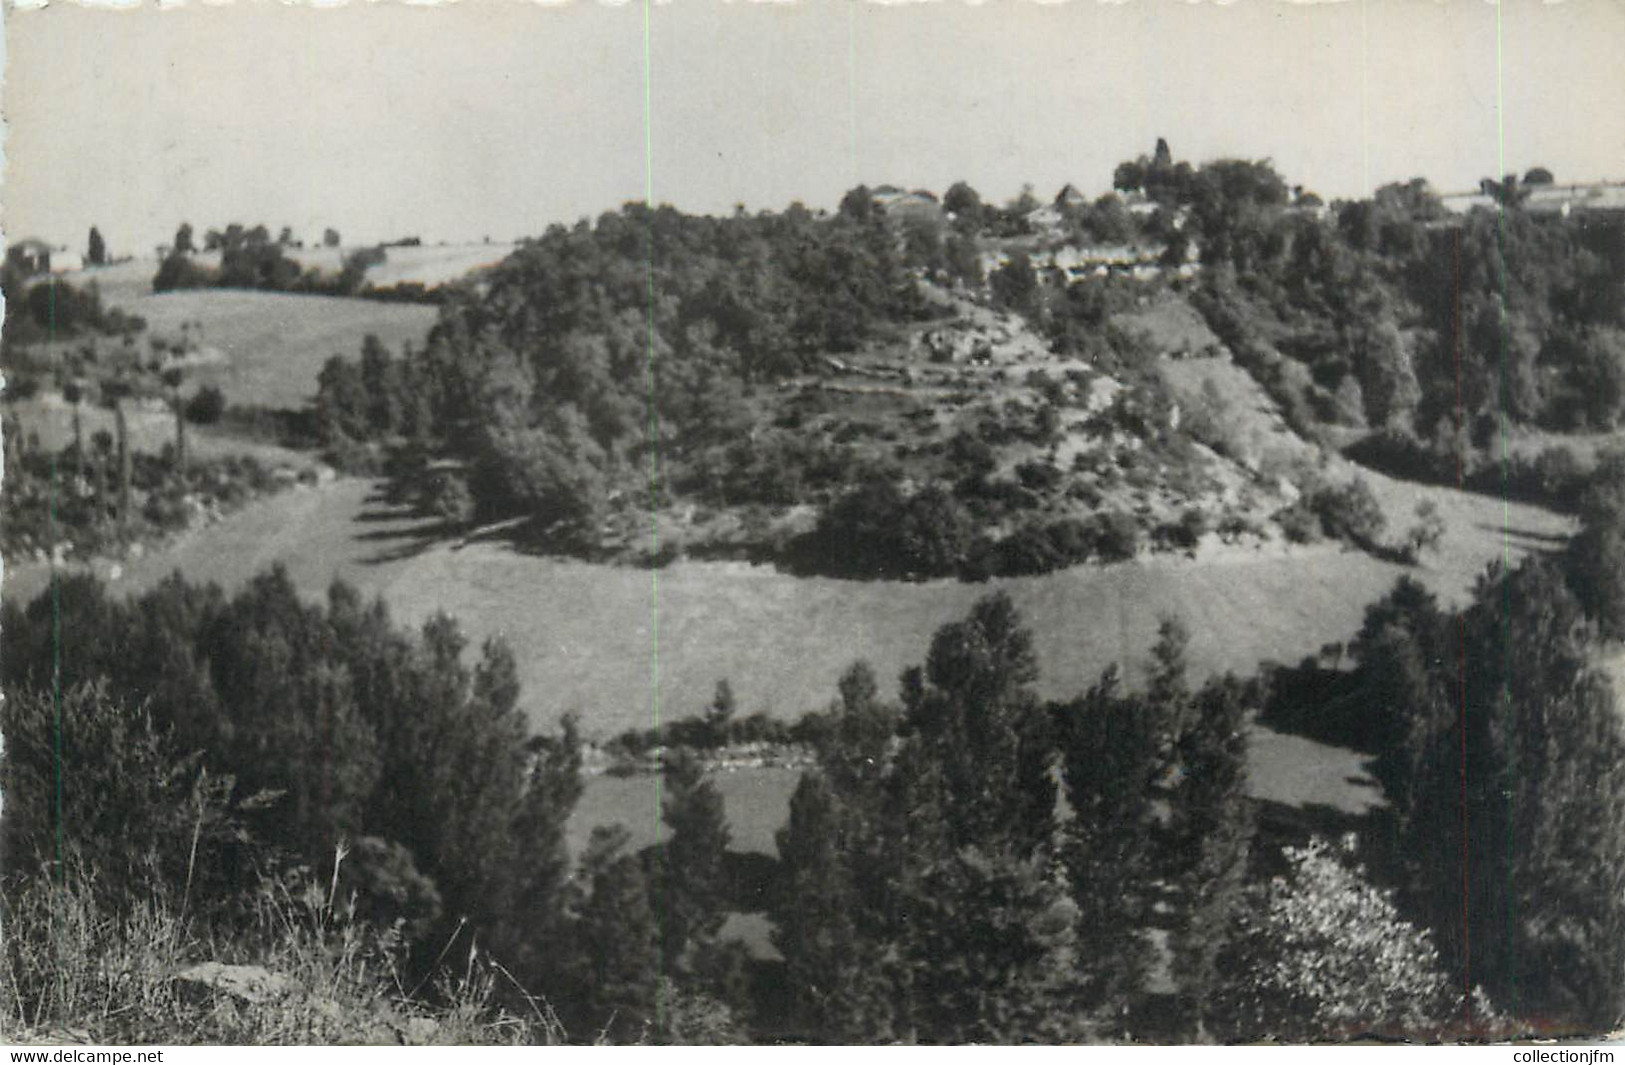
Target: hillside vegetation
(910, 389)
(927, 887)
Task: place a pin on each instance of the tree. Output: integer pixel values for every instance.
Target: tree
(1538, 175)
(1320, 953)
(343, 406)
(1163, 158)
(74, 394)
(991, 953)
(719, 715)
(689, 880)
(1387, 382)
(975, 720)
(1015, 283)
(183, 239)
(1545, 799)
(963, 202)
(832, 959)
(858, 205)
(103, 441)
(384, 385)
(96, 251)
(330, 238)
(126, 462)
(172, 378)
(1113, 750)
(1428, 531)
(617, 937)
(963, 260)
(1509, 192)
(1209, 838)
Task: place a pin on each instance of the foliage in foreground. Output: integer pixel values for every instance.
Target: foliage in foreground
(931, 885)
(1320, 954)
(77, 970)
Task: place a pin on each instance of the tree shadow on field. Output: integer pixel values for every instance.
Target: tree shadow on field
(401, 531)
(1527, 539)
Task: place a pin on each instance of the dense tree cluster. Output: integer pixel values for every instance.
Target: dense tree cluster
(967, 863)
(1498, 744)
(594, 348)
(301, 726)
(934, 891)
(250, 258)
(1438, 328)
(53, 309)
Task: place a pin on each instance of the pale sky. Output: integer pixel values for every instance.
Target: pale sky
(498, 117)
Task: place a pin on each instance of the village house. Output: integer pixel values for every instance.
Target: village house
(33, 257)
(30, 257)
(902, 205)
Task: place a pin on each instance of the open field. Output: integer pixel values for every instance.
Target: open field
(623, 645)
(272, 345)
(1285, 769)
(429, 265)
(151, 425)
(261, 349)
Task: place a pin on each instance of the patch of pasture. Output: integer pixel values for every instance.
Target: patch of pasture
(624, 645)
(272, 345)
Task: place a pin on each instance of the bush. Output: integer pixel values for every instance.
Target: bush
(1188, 531)
(1298, 522)
(1554, 478)
(876, 531)
(1350, 513)
(1428, 531)
(1322, 954)
(206, 406)
(1117, 536)
(180, 272)
(447, 497)
(1401, 453)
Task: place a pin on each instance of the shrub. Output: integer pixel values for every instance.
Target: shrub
(448, 497)
(877, 531)
(1321, 953)
(1298, 522)
(1029, 550)
(318, 975)
(1039, 475)
(180, 272)
(206, 406)
(1117, 536)
(1428, 530)
(1188, 531)
(1401, 453)
(1350, 513)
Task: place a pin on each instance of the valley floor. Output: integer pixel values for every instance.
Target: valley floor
(626, 646)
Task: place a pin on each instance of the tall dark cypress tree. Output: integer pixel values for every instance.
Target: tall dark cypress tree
(688, 872)
(832, 957)
(1114, 754)
(619, 956)
(1210, 836)
(1540, 921)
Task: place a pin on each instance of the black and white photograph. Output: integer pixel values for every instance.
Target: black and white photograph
(830, 522)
